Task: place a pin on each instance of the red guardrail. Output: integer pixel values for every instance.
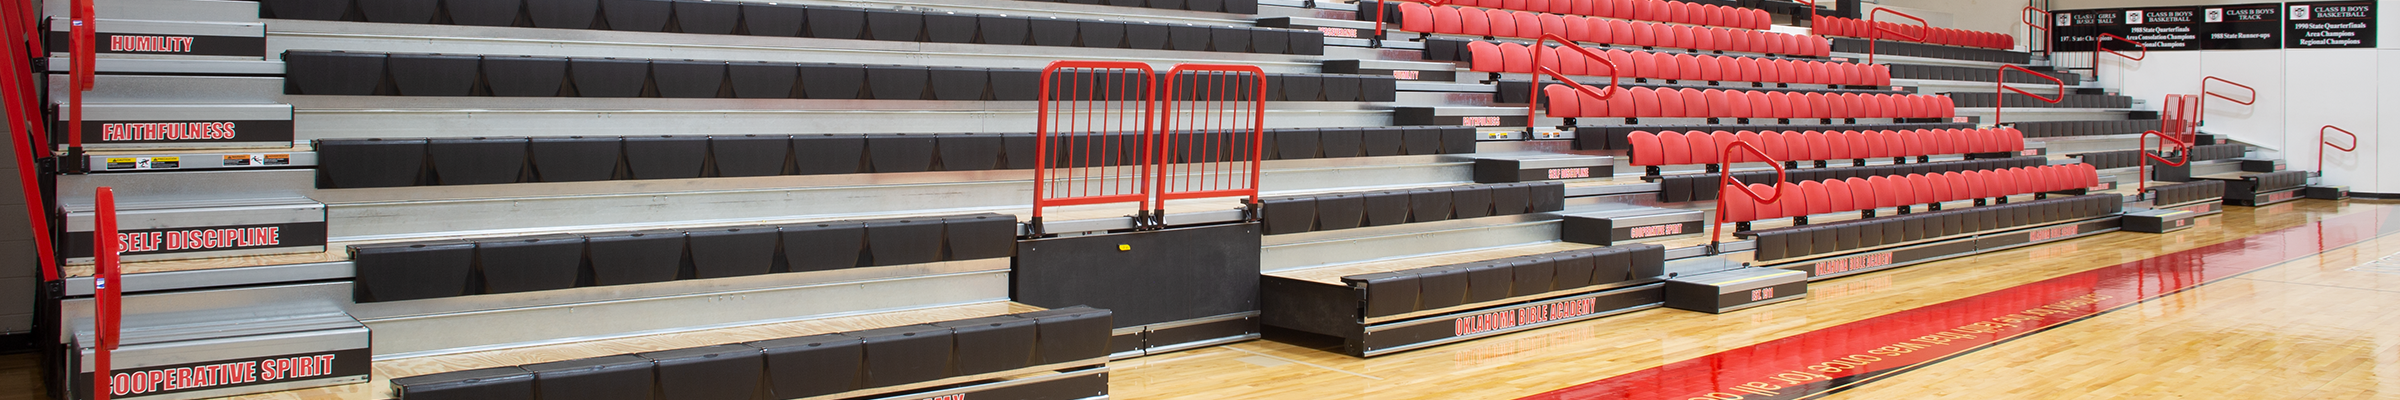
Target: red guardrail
(107, 292)
(1726, 179)
(81, 38)
(2202, 118)
(1873, 21)
(2181, 148)
(2098, 47)
(2001, 94)
(1541, 46)
(2322, 143)
(2043, 26)
(1212, 121)
(2176, 114)
(17, 94)
(1100, 129)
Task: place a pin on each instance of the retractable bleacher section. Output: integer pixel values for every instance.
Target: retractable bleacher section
(830, 199)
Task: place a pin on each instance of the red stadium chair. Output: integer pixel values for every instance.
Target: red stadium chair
(1753, 139)
(1676, 148)
(1704, 147)
(1446, 20)
(1529, 25)
(1775, 145)
(1740, 208)
(1820, 145)
(1554, 24)
(1718, 105)
(1516, 58)
(1645, 102)
(1695, 104)
(1737, 104)
(1486, 57)
(1647, 150)
(1565, 102)
(1670, 104)
(1762, 105)
(1622, 105)
(1795, 200)
(1819, 201)
(1474, 22)
(1416, 17)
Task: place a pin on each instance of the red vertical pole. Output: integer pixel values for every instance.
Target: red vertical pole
(80, 79)
(107, 291)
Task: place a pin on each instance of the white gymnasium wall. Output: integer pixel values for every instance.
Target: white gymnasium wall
(2299, 91)
(1974, 15)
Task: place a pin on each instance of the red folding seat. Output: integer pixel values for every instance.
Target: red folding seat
(1671, 11)
(1820, 145)
(1446, 20)
(1546, 56)
(1883, 75)
(1737, 105)
(1529, 25)
(1887, 106)
(1837, 145)
(1704, 147)
(1572, 62)
(1676, 148)
(1504, 23)
(1776, 145)
(1766, 211)
(1670, 65)
(1740, 41)
(1647, 149)
(1819, 202)
(1577, 7)
(1486, 57)
(2090, 175)
(1596, 30)
(1894, 144)
(1839, 196)
(1578, 29)
(1593, 106)
(1670, 104)
(1621, 104)
(1511, 5)
(1554, 24)
(1862, 194)
(1624, 32)
(1712, 68)
(1980, 140)
(1769, 71)
(1416, 17)
(1770, 43)
(1695, 104)
(1820, 105)
(1860, 144)
(1885, 191)
(1650, 10)
(1794, 201)
(1762, 105)
(1945, 187)
(1645, 64)
(1854, 105)
(1846, 74)
(1624, 63)
(1564, 101)
(1642, 35)
(1516, 58)
(1685, 37)
(1719, 105)
(1539, 6)
(1783, 104)
(1691, 65)
(1738, 207)
(1754, 139)
(1607, 8)
(1979, 186)
(1719, 15)
(1749, 70)
(1925, 188)
(2013, 140)
(1645, 102)
(1474, 22)
(1760, 19)
(1906, 106)
(1719, 39)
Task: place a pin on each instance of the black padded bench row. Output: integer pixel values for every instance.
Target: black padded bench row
(1307, 143)
(2253, 190)
(1224, 6)
(1703, 187)
(816, 21)
(372, 163)
(1836, 237)
(2111, 159)
(1892, 48)
(1613, 137)
(798, 367)
(361, 74)
(452, 268)
(1337, 211)
(1434, 288)
(2072, 100)
(2085, 128)
(1974, 74)
(1514, 92)
(2187, 192)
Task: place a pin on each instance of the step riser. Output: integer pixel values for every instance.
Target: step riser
(1298, 251)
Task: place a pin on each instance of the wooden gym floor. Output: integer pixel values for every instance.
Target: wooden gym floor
(2243, 306)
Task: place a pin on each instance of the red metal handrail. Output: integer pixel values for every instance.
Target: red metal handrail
(2000, 94)
(1539, 70)
(2322, 144)
(2182, 148)
(2202, 118)
(24, 115)
(1097, 116)
(1873, 21)
(81, 38)
(2044, 26)
(107, 291)
(1217, 175)
(2097, 47)
(1727, 179)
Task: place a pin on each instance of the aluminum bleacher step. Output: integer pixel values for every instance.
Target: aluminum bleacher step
(1532, 167)
(1394, 306)
(187, 228)
(1735, 290)
(1630, 225)
(237, 352)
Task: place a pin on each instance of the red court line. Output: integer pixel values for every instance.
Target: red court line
(1827, 360)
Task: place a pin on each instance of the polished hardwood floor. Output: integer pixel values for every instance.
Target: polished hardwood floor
(2318, 327)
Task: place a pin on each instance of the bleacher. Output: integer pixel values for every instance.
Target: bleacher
(835, 199)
